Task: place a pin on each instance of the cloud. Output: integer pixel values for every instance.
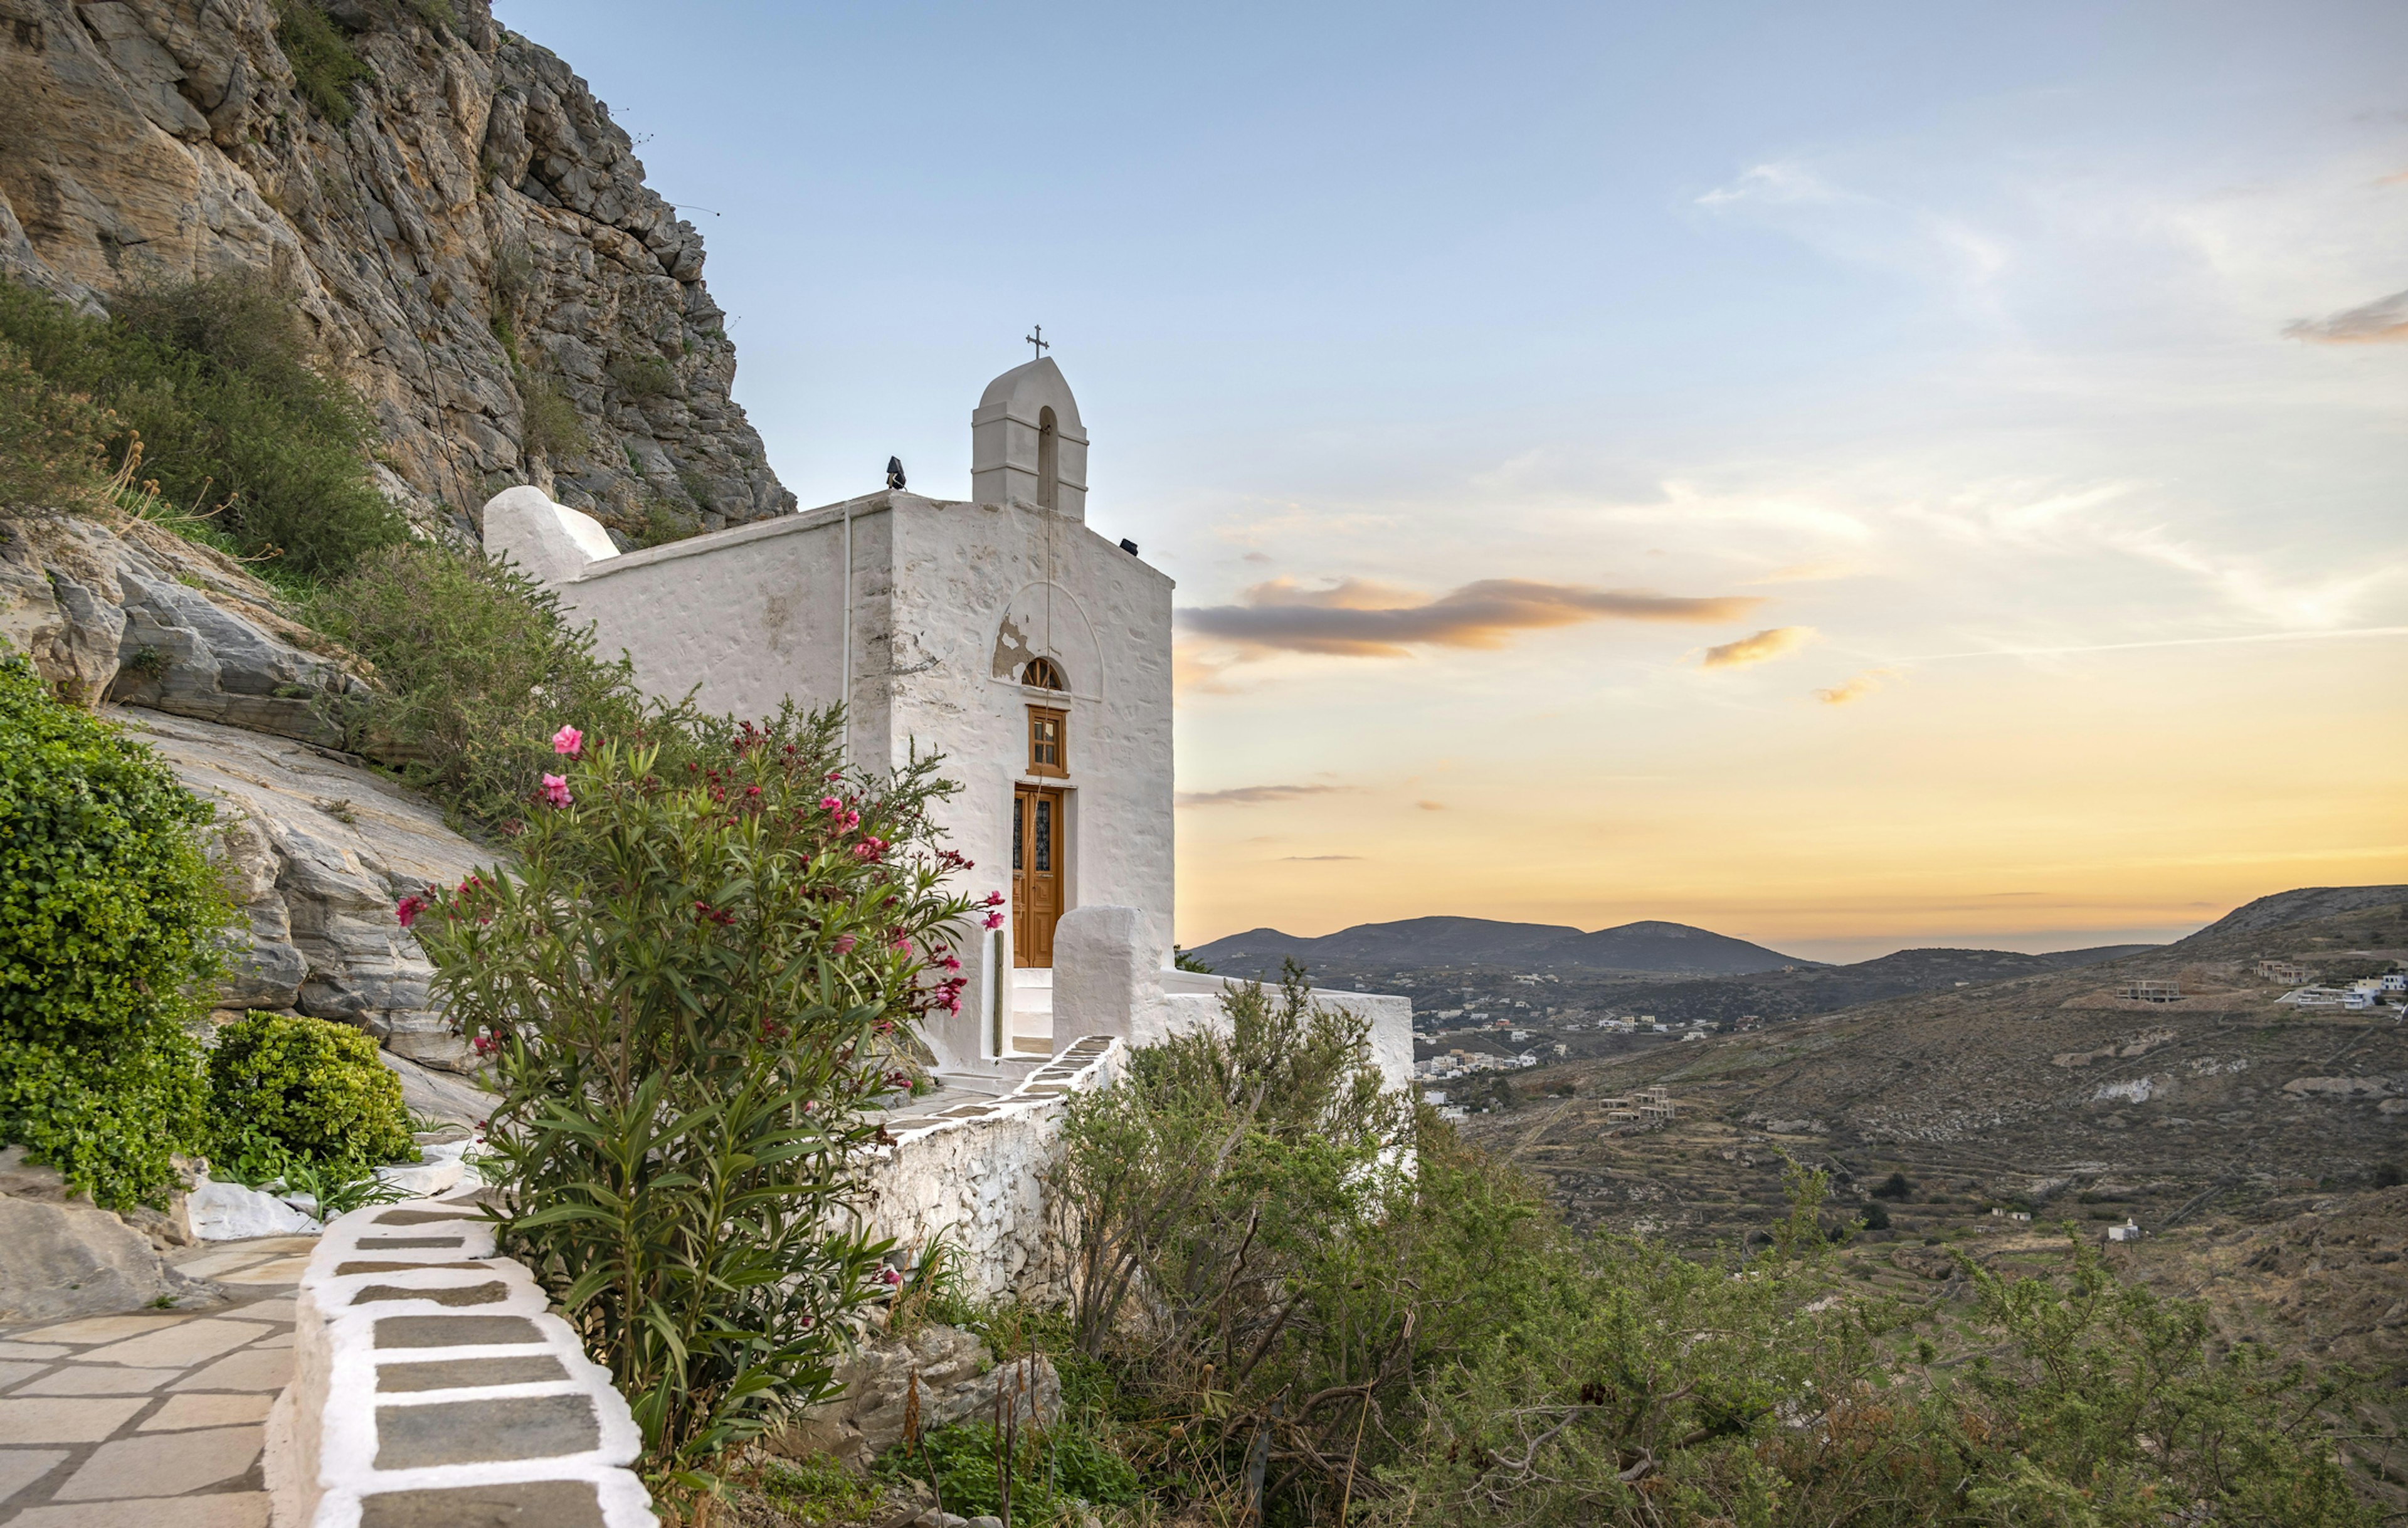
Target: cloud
(1318, 859)
(1771, 643)
(1855, 686)
(1255, 796)
(1776, 183)
(2382, 322)
(1356, 617)
(1431, 805)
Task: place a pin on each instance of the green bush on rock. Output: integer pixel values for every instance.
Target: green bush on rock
(285, 1085)
(111, 918)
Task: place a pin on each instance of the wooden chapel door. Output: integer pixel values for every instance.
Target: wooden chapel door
(1036, 872)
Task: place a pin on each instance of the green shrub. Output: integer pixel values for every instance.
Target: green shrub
(324, 67)
(553, 424)
(641, 376)
(694, 984)
(52, 442)
(109, 925)
(480, 669)
(1047, 1468)
(214, 378)
(311, 1089)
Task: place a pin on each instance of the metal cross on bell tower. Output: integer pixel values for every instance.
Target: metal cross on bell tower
(1038, 338)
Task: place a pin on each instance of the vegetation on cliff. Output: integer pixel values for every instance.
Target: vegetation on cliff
(236, 424)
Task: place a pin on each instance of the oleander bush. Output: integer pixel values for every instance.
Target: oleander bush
(695, 982)
(110, 922)
(289, 1088)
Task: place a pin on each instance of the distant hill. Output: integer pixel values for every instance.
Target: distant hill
(1419, 943)
(1409, 943)
(2298, 907)
(1670, 948)
(2008, 1082)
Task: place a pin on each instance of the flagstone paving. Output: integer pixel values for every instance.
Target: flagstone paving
(154, 1418)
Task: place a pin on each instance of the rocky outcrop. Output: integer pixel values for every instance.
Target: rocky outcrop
(61, 1256)
(319, 851)
(132, 613)
(476, 242)
(942, 1373)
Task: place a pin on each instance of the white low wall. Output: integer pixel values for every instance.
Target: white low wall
(432, 1385)
(1191, 999)
(974, 1174)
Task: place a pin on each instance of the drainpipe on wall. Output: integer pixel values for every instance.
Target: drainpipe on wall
(844, 691)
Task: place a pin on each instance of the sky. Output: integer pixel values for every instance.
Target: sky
(1850, 476)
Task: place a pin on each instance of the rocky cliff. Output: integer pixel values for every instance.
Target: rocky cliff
(472, 240)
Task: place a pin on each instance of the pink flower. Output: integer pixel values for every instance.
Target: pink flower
(568, 740)
(903, 943)
(835, 774)
(994, 919)
(555, 790)
(408, 910)
(994, 899)
(891, 1278)
(869, 848)
(844, 943)
(952, 965)
(830, 804)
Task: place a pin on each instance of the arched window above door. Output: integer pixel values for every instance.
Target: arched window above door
(1043, 674)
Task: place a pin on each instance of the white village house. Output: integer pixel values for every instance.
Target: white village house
(1001, 632)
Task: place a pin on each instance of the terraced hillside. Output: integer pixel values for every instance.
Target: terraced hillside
(2256, 1146)
(2049, 1091)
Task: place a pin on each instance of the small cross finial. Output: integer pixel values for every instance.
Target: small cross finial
(1038, 339)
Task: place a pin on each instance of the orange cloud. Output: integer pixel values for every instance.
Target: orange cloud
(2382, 322)
(1855, 686)
(1431, 805)
(1765, 645)
(1356, 617)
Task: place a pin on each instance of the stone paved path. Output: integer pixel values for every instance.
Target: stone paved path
(151, 1419)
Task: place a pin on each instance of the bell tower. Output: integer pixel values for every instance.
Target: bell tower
(1027, 443)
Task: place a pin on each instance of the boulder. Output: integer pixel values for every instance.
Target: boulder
(320, 848)
(61, 1256)
(440, 1095)
(957, 1378)
(230, 1212)
(166, 1229)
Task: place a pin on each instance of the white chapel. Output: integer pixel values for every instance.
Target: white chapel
(1000, 631)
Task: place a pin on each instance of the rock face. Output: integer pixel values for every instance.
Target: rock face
(134, 613)
(321, 850)
(478, 234)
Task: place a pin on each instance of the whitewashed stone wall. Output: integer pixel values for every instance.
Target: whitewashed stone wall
(974, 1174)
